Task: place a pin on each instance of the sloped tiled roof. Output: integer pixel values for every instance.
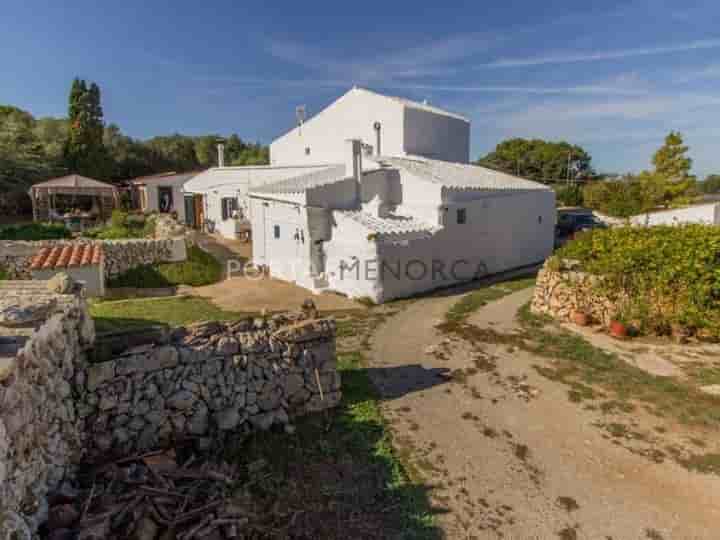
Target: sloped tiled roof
(460, 175)
(298, 184)
(165, 177)
(67, 256)
(390, 225)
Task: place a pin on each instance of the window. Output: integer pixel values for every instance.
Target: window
(228, 206)
(307, 150)
(461, 216)
(277, 231)
(539, 219)
(165, 199)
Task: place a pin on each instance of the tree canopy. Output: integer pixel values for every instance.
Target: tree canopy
(35, 149)
(711, 184)
(539, 160)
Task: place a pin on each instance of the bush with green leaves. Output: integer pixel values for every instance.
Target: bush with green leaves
(666, 274)
(615, 198)
(121, 227)
(200, 268)
(34, 231)
(569, 195)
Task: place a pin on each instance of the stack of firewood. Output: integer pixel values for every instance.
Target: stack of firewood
(150, 497)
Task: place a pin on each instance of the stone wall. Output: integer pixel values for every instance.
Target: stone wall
(211, 379)
(42, 338)
(561, 291)
(120, 255)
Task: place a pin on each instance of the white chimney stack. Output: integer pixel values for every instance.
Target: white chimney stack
(353, 158)
(221, 154)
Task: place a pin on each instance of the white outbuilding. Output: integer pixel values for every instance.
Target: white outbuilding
(707, 214)
(387, 227)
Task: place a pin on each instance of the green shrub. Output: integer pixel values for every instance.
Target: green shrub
(669, 274)
(618, 199)
(569, 195)
(3, 274)
(121, 228)
(34, 231)
(199, 269)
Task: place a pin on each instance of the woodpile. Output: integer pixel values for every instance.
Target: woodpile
(150, 497)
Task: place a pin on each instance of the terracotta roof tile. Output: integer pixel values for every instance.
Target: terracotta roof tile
(67, 256)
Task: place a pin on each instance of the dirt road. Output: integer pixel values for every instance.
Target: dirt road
(508, 454)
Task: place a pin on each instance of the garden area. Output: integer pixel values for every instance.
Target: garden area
(664, 279)
(34, 231)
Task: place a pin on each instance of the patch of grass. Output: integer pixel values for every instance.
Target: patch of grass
(3, 274)
(200, 268)
(343, 464)
(142, 312)
(473, 301)
(34, 231)
(704, 463)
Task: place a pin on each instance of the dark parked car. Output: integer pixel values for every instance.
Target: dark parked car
(571, 223)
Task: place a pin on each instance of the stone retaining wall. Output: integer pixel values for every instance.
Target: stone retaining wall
(561, 291)
(200, 385)
(42, 337)
(211, 379)
(120, 255)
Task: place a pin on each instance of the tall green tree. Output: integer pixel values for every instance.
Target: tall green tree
(672, 168)
(711, 184)
(84, 151)
(539, 160)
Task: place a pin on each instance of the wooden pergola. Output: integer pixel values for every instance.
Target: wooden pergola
(44, 195)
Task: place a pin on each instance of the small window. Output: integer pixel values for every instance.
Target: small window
(461, 216)
(539, 219)
(277, 231)
(307, 150)
(228, 206)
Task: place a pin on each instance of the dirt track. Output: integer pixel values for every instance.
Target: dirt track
(506, 451)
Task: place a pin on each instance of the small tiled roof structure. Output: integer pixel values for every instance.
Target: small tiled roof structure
(460, 175)
(67, 256)
(298, 184)
(390, 224)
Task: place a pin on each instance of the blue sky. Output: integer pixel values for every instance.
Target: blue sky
(612, 76)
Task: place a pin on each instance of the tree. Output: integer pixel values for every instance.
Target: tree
(84, 151)
(711, 184)
(539, 160)
(672, 168)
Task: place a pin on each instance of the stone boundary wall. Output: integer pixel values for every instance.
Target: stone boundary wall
(560, 292)
(40, 364)
(212, 379)
(120, 255)
(201, 385)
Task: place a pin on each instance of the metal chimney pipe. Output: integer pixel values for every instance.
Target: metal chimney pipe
(221, 154)
(377, 127)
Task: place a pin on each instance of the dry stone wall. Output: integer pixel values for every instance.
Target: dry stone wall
(120, 255)
(212, 379)
(42, 342)
(561, 291)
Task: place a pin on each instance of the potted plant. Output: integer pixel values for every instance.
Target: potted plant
(580, 317)
(618, 328)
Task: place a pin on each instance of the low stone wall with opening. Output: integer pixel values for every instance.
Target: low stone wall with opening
(210, 380)
(561, 290)
(120, 255)
(43, 336)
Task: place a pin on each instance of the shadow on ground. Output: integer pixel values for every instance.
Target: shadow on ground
(396, 382)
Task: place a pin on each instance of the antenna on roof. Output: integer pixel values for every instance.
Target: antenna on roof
(300, 115)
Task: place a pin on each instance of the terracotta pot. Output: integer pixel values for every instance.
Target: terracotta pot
(580, 318)
(618, 329)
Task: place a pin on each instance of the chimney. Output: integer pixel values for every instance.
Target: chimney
(221, 154)
(353, 158)
(377, 127)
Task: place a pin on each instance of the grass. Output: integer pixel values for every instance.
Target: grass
(199, 269)
(3, 274)
(373, 496)
(142, 312)
(34, 231)
(473, 301)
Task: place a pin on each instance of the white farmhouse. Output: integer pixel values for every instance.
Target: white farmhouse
(374, 196)
(390, 227)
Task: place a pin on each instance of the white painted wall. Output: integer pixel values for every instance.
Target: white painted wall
(153, 198)
(705, 213)
(436, 136)
(217, 183)
(351, 116)
(420, 198)
(503, 231)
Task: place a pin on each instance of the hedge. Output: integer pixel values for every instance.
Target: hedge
(669, 274)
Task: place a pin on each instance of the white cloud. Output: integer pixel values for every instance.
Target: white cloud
(567, 58)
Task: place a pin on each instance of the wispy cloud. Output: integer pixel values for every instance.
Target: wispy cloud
(705, 73)
(568, 58)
